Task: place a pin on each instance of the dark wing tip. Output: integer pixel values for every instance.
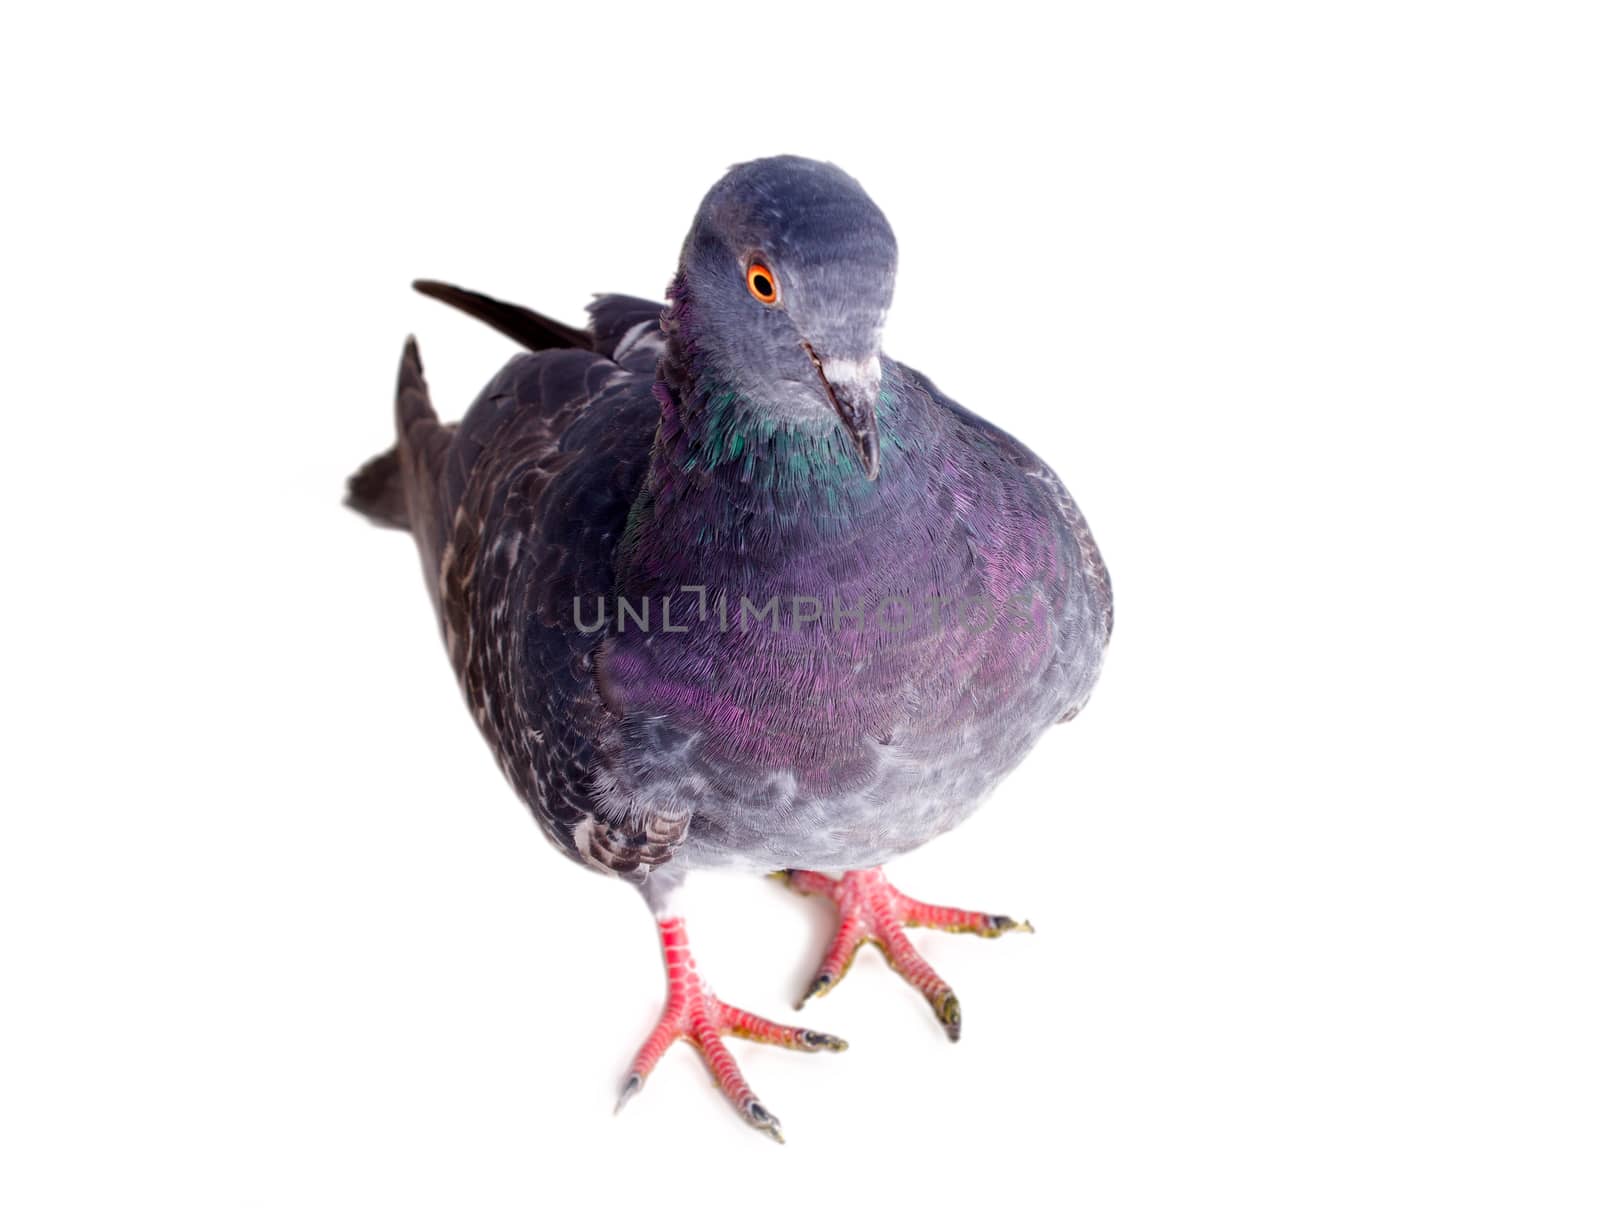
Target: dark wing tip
(533, 330)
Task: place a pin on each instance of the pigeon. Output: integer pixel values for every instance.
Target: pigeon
(725, 586)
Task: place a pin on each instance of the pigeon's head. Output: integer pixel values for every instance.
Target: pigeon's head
(790, 267)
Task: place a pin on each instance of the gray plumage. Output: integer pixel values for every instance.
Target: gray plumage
(749, 450)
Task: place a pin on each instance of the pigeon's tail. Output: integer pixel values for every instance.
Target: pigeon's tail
(399, 487)
(375, 491)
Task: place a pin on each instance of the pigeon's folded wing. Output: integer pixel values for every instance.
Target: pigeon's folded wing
(628, 329)
(543, 472)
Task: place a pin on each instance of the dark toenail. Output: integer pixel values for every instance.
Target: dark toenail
(950, 1016)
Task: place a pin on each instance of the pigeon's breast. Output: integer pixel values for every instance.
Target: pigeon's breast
(851, 722)
(825, 680)
(808, 773)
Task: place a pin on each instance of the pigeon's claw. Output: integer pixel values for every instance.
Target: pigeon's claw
(871, 910)
(694, 1014)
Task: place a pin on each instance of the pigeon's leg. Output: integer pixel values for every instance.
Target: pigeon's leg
(696, 1015)
(871, 910)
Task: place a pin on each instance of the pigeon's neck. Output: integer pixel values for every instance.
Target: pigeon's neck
(728, 477)
(712, 428)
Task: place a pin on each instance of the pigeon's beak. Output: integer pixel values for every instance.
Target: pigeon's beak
(852, 387)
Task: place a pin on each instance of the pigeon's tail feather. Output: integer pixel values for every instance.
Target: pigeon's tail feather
(400, 487)
(375, 491)
(533, 330)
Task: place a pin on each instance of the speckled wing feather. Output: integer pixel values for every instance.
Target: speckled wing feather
(533, 493)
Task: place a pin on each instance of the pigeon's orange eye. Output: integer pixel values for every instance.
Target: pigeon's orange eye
(763, 284)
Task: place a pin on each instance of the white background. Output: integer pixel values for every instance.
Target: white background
(1300, 300)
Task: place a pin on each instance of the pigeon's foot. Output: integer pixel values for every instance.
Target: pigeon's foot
(872, 910)
(697, 1015)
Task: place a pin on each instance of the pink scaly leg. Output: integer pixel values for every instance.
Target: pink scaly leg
(871, 910)
(695, 1014)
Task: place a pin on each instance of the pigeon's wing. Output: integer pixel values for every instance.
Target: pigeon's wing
(533, 330)
(625, 329)
(538, 485)
(517, 511)
(628, 329)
